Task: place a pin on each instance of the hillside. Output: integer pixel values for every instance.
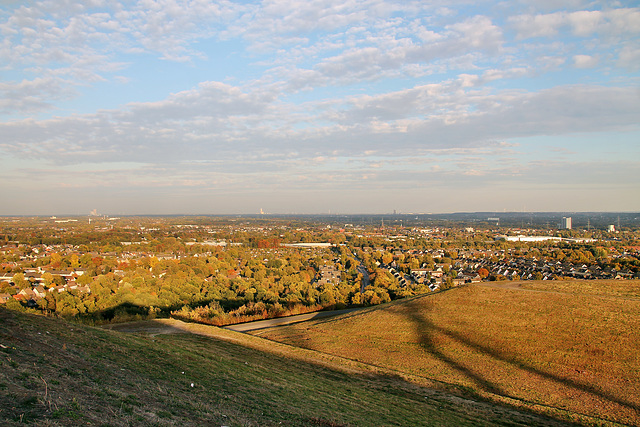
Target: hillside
(562, 348)
(54, 373)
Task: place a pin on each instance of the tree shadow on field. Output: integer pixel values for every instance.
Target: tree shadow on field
(427, 332)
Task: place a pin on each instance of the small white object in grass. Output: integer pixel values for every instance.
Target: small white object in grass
(191, 384)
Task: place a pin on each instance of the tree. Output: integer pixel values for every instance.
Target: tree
(74, 261)
(83, 279)
(327, 297)
(383, 279)
(356, 299)
(12, 304)
(5, 287)
(48, 278)
(58, 280)
(370, 297)
(56, 260)
(447, 283)
(20, 280)
(387, 258)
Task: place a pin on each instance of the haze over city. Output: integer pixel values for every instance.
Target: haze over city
(198, 107)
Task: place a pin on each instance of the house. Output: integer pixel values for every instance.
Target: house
(79, 271)
(470, 277)
(438, 272)
(27, 294)
(398, 276)
(420, 275)
(39, 291)
(6, 277)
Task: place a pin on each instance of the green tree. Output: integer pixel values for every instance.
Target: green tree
(327, 297)
(20, 281)
(48, 279)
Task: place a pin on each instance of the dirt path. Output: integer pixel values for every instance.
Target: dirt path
(173, 326)
(281, 321)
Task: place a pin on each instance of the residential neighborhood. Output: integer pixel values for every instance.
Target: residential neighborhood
(95, 267)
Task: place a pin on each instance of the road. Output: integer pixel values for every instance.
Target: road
(365, 277)
(281, 321)
(365, 273)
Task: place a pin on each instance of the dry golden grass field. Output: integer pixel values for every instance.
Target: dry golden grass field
(567, 349)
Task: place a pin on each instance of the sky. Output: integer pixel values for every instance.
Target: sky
(318, 106)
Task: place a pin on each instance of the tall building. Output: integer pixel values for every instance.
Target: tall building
(566, 223)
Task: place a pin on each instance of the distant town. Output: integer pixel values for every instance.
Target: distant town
(229, 269)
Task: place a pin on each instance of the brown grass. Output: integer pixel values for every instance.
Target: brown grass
(553, 351)
(621, 288)
(54, 373)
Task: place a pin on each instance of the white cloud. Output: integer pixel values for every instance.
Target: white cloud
(384, 57)
(290, 18)
(81, 39)
(629, 57)
(529, 26)
(585, 22)
(220, 122)
(479, 32)
(30, 96)
(585, 61)
(582, 23)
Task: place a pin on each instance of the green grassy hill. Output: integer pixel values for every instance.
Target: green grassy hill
(54, 373)
(567, 349)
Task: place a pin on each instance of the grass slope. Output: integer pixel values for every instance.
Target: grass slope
(54, 373)
(553, 349)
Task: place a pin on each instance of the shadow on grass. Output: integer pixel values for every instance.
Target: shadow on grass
(427, 331)
(198, 379)
(379, 398)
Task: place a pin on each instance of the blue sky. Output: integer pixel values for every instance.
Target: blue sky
(315, 106)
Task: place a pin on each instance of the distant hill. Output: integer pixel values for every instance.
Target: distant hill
(54, 373)
(568, 349)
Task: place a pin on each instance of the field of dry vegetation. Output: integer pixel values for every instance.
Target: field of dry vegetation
(169, 373)
(568, 349)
